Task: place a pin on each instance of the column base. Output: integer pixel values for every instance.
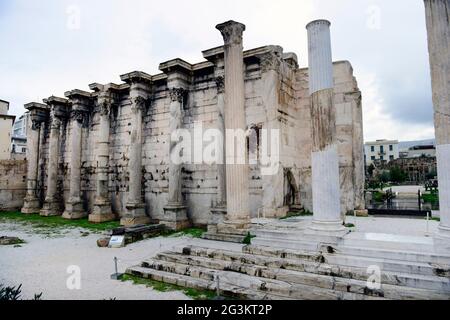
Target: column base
(442, 240)
(234, 227)
(31, 206)
(217, 216)
(74, 211)
(175, 217)
(102, 212)
(100, 218)
(361, 213)
(51, 208)
(327, 228)
(135, 216)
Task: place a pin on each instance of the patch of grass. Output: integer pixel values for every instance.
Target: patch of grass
(434, 219)
(297, 214)
(248, 239)
(49, 224)
(378, 196)
(349, 225)
(165, 287)
(191, 232)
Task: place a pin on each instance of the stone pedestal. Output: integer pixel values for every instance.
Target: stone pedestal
(217, 217)
(175, 217)
(327, 220)
(74, 206)
(102, 205)
(237, 174)
(438, 27)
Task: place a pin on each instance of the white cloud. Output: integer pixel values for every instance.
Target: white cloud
(380, 125)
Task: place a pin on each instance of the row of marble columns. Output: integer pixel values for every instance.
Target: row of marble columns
(75, 110)
(233, 184)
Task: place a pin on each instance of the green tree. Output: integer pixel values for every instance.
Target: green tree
(371, 169)
(397, 175)
(385, 176)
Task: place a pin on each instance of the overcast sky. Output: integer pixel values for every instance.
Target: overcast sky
(51, 46)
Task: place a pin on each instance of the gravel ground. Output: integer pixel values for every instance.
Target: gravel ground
(40, 264)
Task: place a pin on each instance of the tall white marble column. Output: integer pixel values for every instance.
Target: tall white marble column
(237, 174)
(102, 211)
(38, 114)
(52, 205)
(438, 26)
(325, 161)
(74, 205)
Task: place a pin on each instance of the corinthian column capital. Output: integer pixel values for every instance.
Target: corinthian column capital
(271, 60)
(232, 32)
(77, 115)
(220, 83)
(177, 94)
(138, 103)
(105, 106)
(35, 124)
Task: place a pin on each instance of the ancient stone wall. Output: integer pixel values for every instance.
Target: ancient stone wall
(13, 175)
(276, 97)
(349, 130)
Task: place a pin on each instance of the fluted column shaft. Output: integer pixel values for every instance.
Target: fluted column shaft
(325, 160)
(237, 184)
(438, 26)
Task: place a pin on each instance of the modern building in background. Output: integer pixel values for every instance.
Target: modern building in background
(19, 135)
(384, 150)
(418, 149)
(6, 124)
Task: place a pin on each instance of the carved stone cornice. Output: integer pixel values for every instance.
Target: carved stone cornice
(232, 32)
(177, 94)
(220, 84)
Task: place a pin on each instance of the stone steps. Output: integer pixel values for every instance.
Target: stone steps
(420, 257)
(292, 244)
(167, 261)
(223, 237)
(252, 285)
(351, 261)
(267, 273)
(199, 284)
(316, 265)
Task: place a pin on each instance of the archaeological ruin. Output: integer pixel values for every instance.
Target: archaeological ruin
(235, 144)
(106, 153)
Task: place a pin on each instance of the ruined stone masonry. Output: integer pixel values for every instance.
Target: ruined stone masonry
(105, 153)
